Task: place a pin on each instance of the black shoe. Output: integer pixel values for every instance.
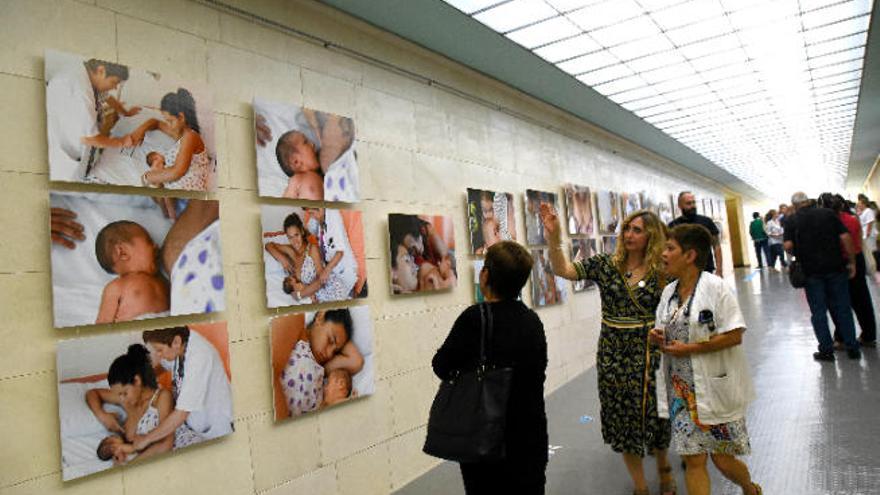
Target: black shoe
(854, 354)
(823, 356)
(870, 343)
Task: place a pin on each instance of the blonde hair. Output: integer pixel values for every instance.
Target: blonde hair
(656, 230)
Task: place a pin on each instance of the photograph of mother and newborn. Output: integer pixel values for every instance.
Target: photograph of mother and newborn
(126, 397)
(127, 257)
(111, 124)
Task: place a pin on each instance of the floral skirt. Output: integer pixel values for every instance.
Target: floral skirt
(623, 395)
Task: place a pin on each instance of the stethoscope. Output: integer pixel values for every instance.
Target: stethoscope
(676, 297)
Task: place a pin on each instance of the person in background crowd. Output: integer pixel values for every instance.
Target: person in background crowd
(814, 236)
(859, 295)
(867, 216)
(759, 238)
(774, 235)
(687, 203)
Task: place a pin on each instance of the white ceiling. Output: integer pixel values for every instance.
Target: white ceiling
(765, 89)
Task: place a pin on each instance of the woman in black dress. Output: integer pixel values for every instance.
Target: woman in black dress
(518, 341)
(630, 283)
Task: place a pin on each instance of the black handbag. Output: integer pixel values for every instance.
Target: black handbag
(468, 416)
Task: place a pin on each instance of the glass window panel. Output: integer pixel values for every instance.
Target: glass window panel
(855, 75)
(719, 59)
(669, 72)
(643, 104)
(687, 13)
(566, 5)
(831, 88)
(735, 5)
(847, 93)
(833, 13)
(635, 94)
(748, 80)
(544, 32)
(692, 96)
(700, 31)
(652, 5)
(851, 41)
(763, 13)
(515, 14)
(570, 48)
(822, 105)
(625, 31)
(837, 29)
(619, 85)
(604, 75)
(726, 72)
(657, 109)
(680, 83)
(605, 14)
(590, 62)
(471, 6)
(835, 69)
(834, 58)
(710, 47)
(642, 47)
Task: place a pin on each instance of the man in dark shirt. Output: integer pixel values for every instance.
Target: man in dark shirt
(814, 236)
(687, 203)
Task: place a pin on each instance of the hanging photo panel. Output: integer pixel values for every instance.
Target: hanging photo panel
(108, 123)
(320, 359)
(422, 253)
(579, 209)
(490, 219)
(140, 257)
(608, 210)
(304, 153)
(534, 224)
(312, 255)
(582, 250)
(116, 390)
(547, 288)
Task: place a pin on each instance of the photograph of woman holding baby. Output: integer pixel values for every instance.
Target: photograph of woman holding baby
(125, 397)
(321, 359)
(157, 134)
(608, 210)
(579, 209)
(313, 255)
(422, 253)
(128, 257)
(490, 219)
(304, 153)
(534, 224)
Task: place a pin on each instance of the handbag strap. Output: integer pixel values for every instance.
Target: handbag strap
(486, 327)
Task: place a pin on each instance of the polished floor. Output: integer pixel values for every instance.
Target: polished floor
(814, 429)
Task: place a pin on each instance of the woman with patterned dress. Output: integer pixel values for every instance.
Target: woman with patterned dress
(703, 384)
(630, 282)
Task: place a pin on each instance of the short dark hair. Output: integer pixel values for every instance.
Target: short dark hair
(755, 214)
(341, 316)
(105, 452)
(696, 237)
(293, 220)
(681, 195)
(111, 69)
(166, 335)
(135, 362)
(509, 266)
(112, 234)
(283, 149)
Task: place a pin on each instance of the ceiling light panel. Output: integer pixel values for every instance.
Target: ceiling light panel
(766, 89)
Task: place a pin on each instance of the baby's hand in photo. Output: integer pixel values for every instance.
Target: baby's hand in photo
(110, 422)
(550, 221)
(133, 111)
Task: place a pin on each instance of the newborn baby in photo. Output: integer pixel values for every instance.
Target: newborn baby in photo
(338, 387)
(114, 447)
(298, 158)
(126, 249)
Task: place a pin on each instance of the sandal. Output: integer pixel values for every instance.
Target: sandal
(758, 490)
(667, 487)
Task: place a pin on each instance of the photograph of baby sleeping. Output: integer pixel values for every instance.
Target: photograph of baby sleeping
(582, 250)
(579, 209)
(608, 211)
(108, 123)
(313, 255)
(534, 224)
(321, 359)
(547, 288)
(122, 257)
(490, 219)
(304, 153)
(123, 398)
(422, 253)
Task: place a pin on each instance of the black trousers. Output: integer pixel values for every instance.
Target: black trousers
(519, 477)
(861, 303)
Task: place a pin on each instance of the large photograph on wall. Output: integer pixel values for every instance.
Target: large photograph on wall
(534, 224)
(321, 359)
(582, 250)
(632, 202)
(608, 211)
(312, 255)
(490, 219)
(422, 253)
(140, 257)
(547, 288)
(609, 244)
(108, 123)
(304, 153)
(579, 209)
(116, 391)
